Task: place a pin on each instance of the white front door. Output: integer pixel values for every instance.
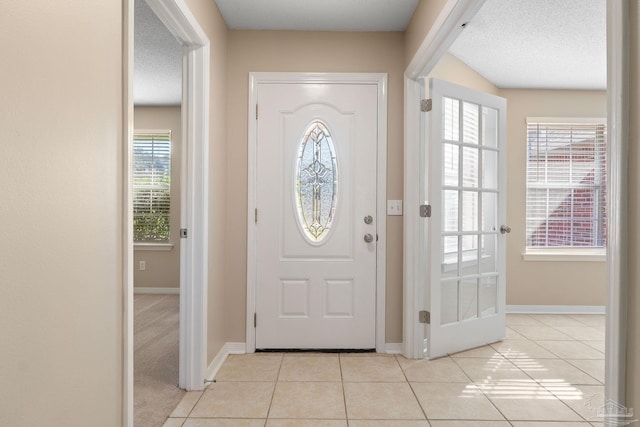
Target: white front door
(316, 219)
(467, 183)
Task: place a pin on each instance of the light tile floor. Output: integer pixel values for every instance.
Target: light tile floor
(549, 372)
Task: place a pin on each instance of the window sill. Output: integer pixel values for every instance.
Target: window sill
(152, 246)
(573, 254)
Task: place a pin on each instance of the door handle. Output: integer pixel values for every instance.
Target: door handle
(505, 229)
(368, 238)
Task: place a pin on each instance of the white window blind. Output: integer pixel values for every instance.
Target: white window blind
(566, 184)
(151, 186)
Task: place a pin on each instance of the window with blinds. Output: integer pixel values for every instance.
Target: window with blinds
(151, 186)
(566, 183)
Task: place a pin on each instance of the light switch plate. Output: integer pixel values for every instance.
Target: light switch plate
(394, 207)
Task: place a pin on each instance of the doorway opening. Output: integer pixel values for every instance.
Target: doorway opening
(436, 44)
(156, 158)
(193, 223)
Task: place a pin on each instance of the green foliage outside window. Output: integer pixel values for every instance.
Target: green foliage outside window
(151, 187)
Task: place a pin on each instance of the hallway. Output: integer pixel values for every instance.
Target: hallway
(548, 372)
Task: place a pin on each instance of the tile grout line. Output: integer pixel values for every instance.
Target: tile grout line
(480, 389)
(424, 412)
(539, 383)
(585, 372)
(344, 393)
(572, 337)
(547, 388)
(275, 386)
(195, 404)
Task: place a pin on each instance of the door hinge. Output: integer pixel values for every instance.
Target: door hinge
(425, 105)
(425, 211)
(256, 215)
(183, 233)
(256, 111)
(424, 317)
(255, 320)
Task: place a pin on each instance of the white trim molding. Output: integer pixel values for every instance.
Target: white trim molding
(618, 58)
(127, 214)
(379, 79)
(218, 360)
(444, 31)
(194, 249)
(555, 309)
(446, 28)
(179, 20)
(141, 290)
(414, 295)
(394, 348)
(565, 254)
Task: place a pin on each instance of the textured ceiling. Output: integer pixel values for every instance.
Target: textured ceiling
(325, 15)
(157, 61)
(541, 44)
(555, 44)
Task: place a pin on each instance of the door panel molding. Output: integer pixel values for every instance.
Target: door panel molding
(379, 79)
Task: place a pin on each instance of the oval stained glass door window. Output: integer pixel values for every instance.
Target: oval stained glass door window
(316, 191)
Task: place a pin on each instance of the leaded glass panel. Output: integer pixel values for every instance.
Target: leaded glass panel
(316, 182)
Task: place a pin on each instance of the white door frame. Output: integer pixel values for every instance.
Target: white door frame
(617, 166)
(444, 31)
(179, 20)
(379, 79)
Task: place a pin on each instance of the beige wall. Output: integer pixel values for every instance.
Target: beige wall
(311, 52)
(633, 324)
(162, 267)
(452, 70)
(213, 25)
(61, 250)
(423, 18)
(533, 282)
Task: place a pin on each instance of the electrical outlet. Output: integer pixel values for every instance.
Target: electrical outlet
(143, 266)
(394, 207)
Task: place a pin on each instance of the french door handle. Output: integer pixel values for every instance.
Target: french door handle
(505, 229)
(368, 238)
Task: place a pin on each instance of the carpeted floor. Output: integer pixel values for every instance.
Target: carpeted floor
(155, 388)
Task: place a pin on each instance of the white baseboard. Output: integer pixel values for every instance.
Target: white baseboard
(556, 309)
(236, 347)
(226, 350)
(393, 348)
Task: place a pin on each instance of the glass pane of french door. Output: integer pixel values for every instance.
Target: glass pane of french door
(469, 232)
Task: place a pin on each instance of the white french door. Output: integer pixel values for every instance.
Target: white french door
(316, 225)
(467, 230)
